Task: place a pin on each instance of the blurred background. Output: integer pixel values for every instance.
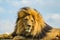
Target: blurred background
(49, 9)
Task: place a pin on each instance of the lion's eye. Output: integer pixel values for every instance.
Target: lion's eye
(32, 20)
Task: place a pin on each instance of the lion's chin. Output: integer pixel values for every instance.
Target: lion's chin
(27, 32)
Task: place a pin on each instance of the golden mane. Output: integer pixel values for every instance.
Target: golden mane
(39, 29)
(39, 23)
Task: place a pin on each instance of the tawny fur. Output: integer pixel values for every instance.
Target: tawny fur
(39, 24)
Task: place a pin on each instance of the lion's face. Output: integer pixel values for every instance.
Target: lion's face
(28, 23)
(25, 25)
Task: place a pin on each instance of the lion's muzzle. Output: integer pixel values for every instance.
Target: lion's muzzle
(28, 28)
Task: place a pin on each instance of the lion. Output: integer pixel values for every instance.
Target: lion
(30, 24)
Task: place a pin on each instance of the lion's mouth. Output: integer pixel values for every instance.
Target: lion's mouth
(28, 29)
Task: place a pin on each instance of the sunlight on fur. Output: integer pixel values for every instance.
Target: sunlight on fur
(30, 24)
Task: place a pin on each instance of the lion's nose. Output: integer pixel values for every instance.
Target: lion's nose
(29, 25)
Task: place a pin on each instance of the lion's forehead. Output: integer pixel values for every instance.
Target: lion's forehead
(28, 17)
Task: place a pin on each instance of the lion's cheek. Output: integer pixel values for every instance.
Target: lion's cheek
(19, 31)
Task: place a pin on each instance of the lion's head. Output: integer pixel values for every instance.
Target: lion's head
(29, 22)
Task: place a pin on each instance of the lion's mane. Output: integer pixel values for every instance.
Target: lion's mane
(40, 30)
(39, 23)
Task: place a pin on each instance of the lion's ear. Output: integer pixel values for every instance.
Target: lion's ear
(21, 14)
